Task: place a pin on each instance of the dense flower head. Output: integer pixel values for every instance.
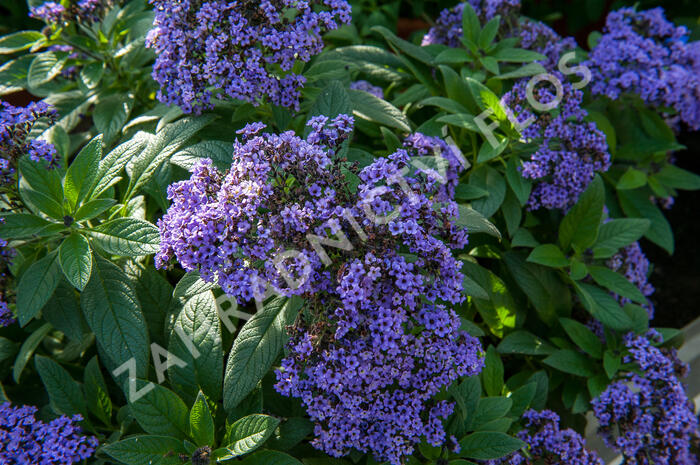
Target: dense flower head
(82, 10)
(647, 416)
(448, 26)
(367, 87)
(241, 49)
(634, 265)
(376, 339)
(642, 53)
(15, 126)
(568, 150)
(540, 38)
(547, 443)
(24, 440)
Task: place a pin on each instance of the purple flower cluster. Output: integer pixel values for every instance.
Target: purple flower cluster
(376, 341)
(244, 49)
(634, 265)
(549, 444)
(15, 125)
(57, 13)
(24, 440)
(642, 53)
(540, 38)
(647, 416)
(448, 26)
(368, 87)
(568, 151)
(443, 166)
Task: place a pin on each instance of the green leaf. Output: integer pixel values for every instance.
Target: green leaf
(583, 337)
(467, 395)
(443, 103)
(678, 178)
(530, 69)
(82, 171)
(611, 363)
(63, 312)
(475, 222)
(36, 287)
(114, 162)
(96, 392)
(603, 307)
(160, 148)
(44, 68)
(18, 41)
(522, 398)
(201, 422)
(190, 285)
(8, 349)
(160, 411)
(492, 373)
(35, 176)
(220, 153)
(490, 180)
(453, 56)
(249, 433)
(488, 445)
(580, 225)
(332, 101)
(617, 283)
(548, 255)
(27, 350)
(488, 33)
(291, 433)
(111, 114)
(632, 179)
(498, 311)
(517, 55)
(523, 342)
(471, 26)
(39, 202)
(618, 233)
(270, 457)
(569, 361)
(76, 260)
(113, 313)
(461, 120)
(64, 393)
(636, 204)
(543, 286)
(128, 237)
(198, 320)
(19, 225)
(521, 187)
(491, 408)
(146, 450)
(91, 74)
(374, 109)
(256, 348)
(408, 48)
(93, 208)
(469, 192)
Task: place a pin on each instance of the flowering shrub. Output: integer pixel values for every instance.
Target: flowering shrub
(278, 233)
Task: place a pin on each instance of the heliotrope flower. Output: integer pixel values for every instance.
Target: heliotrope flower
(241, 49)
(568, 150)
(448, 26)
(26, 440)
(547, 443)
(367, 87)
(647, 415)
(634, 265)
(642, 53)
(81, 10)
(376, 323)
(15, 126)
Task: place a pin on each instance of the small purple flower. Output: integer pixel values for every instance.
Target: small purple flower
(642, 53)
(243, 50)
(646, 415)
(368, 87)
(26, 440)
(549, 444)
